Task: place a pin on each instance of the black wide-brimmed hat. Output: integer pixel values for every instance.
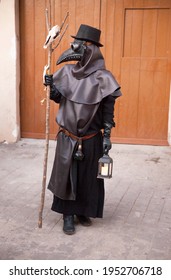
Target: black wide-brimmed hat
(89, 34)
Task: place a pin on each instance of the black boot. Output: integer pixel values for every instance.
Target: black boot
(68, 227)
(85, 221)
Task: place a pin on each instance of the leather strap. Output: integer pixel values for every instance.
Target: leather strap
(70, 134)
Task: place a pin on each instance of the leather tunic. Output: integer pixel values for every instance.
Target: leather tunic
(82, 88)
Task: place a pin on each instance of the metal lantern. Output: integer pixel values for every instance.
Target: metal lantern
(105, 167)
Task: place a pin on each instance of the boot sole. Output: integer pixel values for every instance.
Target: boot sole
(69, 232)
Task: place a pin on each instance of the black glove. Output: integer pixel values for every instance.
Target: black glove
(48, 81)
(107, 145)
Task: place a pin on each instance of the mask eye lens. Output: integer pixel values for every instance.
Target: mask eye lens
(75, 46)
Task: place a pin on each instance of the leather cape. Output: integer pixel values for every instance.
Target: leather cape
(82, 87)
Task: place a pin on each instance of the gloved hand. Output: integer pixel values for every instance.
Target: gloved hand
(107, 145)
(48, 80)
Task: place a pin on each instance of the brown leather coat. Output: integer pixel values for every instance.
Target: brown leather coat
(82, 89)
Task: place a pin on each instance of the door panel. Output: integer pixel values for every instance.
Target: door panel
(141, 63)
(151, 72)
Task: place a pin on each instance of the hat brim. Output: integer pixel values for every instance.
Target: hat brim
(88, 40)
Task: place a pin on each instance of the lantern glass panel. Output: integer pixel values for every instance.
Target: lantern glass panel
(105, 167)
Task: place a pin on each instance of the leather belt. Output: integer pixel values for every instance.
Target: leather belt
(70, 134)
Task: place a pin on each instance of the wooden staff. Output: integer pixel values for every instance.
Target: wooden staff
(48, 24)
(47, 69)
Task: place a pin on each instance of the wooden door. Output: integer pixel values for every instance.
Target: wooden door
(137, 44)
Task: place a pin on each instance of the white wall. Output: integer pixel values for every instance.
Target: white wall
(9, 71)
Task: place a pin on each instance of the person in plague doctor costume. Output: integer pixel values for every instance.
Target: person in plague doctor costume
(86, 93)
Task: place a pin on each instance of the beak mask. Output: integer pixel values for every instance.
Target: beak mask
(75, 53)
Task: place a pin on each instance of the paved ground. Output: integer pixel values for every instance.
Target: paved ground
(137, 213)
